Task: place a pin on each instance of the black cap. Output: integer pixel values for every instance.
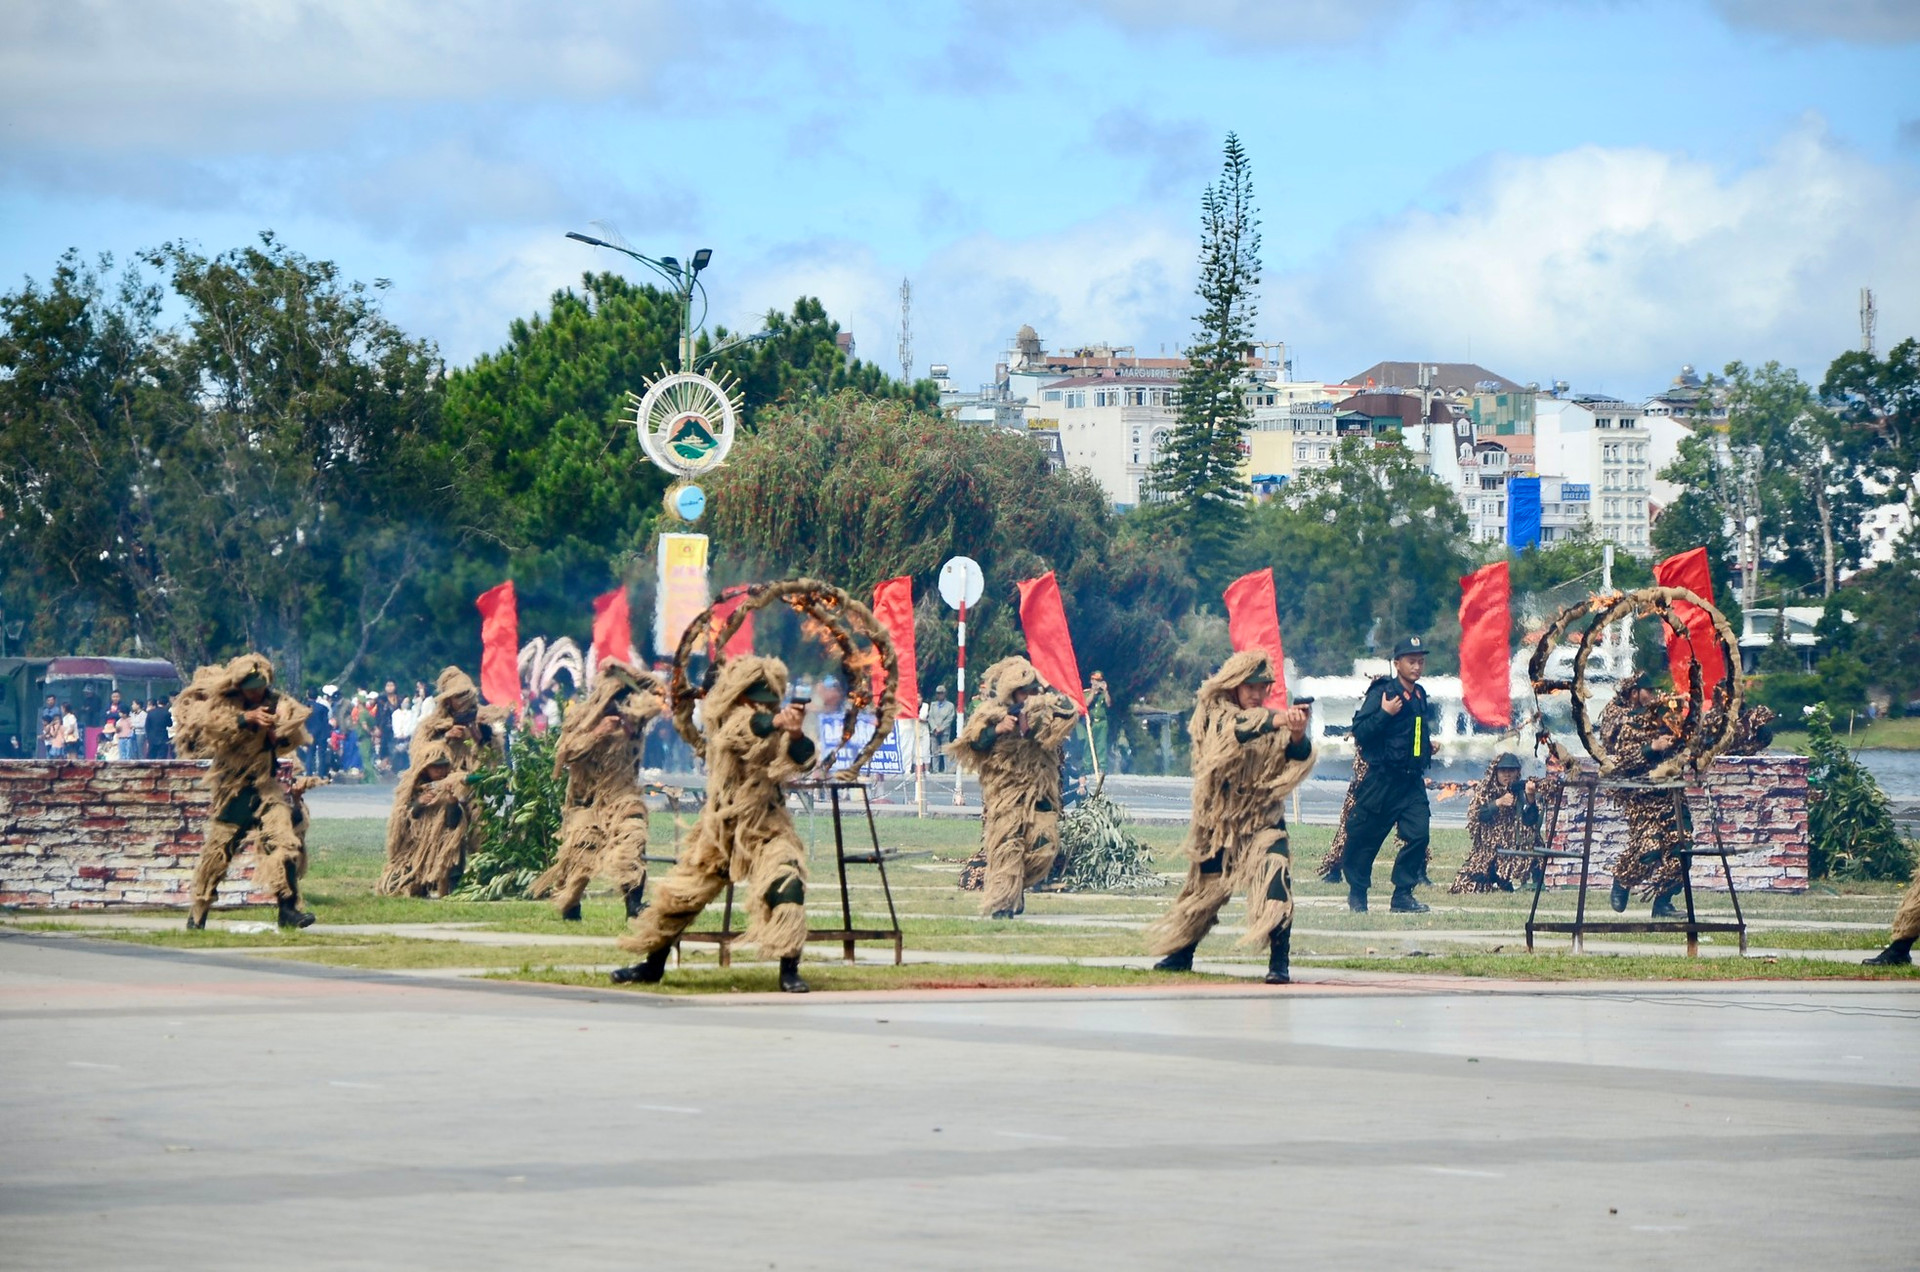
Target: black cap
(1506, 759)
(1410, 645)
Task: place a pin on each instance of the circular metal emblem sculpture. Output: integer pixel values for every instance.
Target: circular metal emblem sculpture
(847, 628)
(686, 422)
(1703, 733)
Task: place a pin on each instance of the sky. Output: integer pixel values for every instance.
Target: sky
(1589, 190)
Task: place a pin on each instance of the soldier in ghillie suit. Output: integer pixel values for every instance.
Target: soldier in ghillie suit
(1013, 741)
(1502, 816)
(1634, 730)
(1246, 760)
(1906, 927)
(473, 734)
(603, 825)
(432, 826)
(751, 745)
(232, 716)
(1752, 731)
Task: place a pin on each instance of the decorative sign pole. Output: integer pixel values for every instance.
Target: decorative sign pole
(962, 583)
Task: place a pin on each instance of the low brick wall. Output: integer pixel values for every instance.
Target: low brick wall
(1762, 805)
(86, 836)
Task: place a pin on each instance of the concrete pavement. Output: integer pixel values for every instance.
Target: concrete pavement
(166, 1110)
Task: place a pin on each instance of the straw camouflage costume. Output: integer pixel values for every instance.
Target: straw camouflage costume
(1246, 761)
(1013, 741)
(744, 834)
(431, 828)
(1634, 730)
(472, 734)
(1906, 928)
(232, 716)
(1503, 815)
(603, 825)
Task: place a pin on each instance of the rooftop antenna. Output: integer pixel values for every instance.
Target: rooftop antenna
(906, 331)
(1868, 318)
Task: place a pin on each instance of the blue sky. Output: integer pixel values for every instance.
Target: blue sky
(1594, 190)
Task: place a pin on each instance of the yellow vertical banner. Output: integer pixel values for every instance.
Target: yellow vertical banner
(683, 589)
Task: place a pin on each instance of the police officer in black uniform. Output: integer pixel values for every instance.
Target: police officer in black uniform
(1394, 731)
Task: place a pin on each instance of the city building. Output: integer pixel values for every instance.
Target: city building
(1600, 445)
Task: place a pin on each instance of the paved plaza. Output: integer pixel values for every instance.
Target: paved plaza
(167, 1109)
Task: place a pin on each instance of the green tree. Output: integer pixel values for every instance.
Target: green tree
(1370, 545)
(1200, 474)
(1850, 828)
(1880, 400)
(1884, 636)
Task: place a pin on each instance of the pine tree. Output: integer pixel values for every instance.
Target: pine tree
(1199, 477)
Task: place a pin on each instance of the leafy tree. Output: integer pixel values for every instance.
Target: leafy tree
(1850, 826)
(1371, 545)
(1885, 634)
(1880, 399)
(1200, 473)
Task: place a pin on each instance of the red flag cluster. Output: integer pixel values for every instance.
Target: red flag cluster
(1485, 623)
(1049, 645)
(1689, 570)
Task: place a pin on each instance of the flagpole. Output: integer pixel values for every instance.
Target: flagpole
(960, 698)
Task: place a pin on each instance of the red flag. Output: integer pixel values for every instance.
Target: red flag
(500, 644)
(612, 627)
(1689, 570)
(893, 606)
(1049, 646)
(1485, 658)
(1253, 622)
(742, 643)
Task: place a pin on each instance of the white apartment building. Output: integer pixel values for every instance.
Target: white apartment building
(1602, 444)
(1113, 424)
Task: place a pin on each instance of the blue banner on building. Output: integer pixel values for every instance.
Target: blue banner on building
(1523, 511)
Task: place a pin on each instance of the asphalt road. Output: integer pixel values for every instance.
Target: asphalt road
(167, 1110)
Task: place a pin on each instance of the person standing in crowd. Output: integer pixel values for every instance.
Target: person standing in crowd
(49, 727)
(160, 730)
(320, 724)
(1393, 730)
(71, 744)
(123, 732)
(1099, 716)
(939, 714)
(383, 708)
(404, 721)
(139, 715)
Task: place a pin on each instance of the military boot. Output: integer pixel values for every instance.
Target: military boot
(197, 917)
(1619, 897)
(1357, 900)
(572, 913)
(1663, 907)
(790, 982)
(291, 915)
(636, 901)
(1181, 960)
(1404, 902)
(1898, 954)
(1277, 973)
(647, 972)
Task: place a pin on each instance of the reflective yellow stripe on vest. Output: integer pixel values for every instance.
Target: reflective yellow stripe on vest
(1418, 721)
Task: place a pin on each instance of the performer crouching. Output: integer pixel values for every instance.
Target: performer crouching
(1634, 729)
(744, 833)
(1013, 741)
(603, 827)
(1502, 816)
(1246, 761)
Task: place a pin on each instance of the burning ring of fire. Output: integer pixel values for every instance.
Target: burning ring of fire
(829, 614)
(1699, 744)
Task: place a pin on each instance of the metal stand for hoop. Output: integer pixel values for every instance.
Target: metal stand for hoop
(1691, 925)
(848, 935)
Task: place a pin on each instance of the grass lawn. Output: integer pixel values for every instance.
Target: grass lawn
(827, 977)
(1902, 734)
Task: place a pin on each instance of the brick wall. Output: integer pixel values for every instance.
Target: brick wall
(85, 836)
(1762, 805)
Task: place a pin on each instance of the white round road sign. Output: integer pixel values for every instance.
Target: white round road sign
(962, 582)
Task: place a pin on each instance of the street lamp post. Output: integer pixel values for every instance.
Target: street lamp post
(684, 279)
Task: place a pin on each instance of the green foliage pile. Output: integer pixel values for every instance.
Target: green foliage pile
(519, 805)
(1849, 822)
(1102, 854)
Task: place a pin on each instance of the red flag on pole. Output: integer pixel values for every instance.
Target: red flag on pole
(742, 643)
(500, 644)
(1049, 646)
(612, 627)
(1689, 570)
(893, 606)
(1485, 656)
(1253, 622)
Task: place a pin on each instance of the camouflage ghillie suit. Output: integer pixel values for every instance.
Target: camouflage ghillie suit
(603, 825)
(248, 801)
(431, 829)
(1330, 864)
(1752, 732)
(1492, 830)
(472, 734)
(1019, 779)
(1245, 764)
(1659, 827)
(744, 834)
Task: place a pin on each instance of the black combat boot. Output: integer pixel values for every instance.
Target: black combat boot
(1899, 954)
(1404, 902)
(197, 917)
(1663, 908)
(1619, 897)
(790, 982)
(572, 913)
(636, 901)
(1357, 900)
(647, 972)
(291, 915)
(1181, 960)
(1001, 914)
(1277, 957)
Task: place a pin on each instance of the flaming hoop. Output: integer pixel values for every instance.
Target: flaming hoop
(839, 621)
(1698, 746)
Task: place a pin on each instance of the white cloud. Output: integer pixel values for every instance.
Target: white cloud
(1855, 21)
(1612, 266)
